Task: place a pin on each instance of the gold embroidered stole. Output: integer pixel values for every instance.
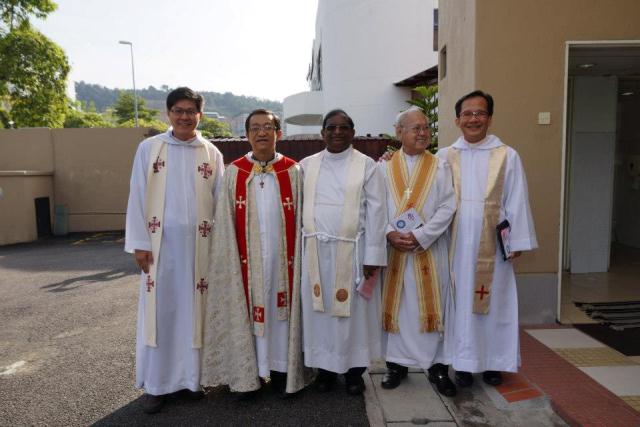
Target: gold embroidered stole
(485, 264)
(411, 192)
(154, 212)
(346, 242)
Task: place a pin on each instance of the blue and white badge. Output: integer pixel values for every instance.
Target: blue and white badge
(401, 224)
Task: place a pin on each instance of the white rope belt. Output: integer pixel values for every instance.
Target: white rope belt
(324, 237)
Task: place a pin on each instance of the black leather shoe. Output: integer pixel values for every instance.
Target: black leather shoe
(394, 376)
(439, 375)
(194, 395)
(355, 386)
(493, 378)
(152, 404)
(325, 381)
(464, 379)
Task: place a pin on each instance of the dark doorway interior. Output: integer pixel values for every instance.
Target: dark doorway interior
(43, 216)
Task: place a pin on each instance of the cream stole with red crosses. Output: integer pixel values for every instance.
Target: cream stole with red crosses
(411, 192)
(491, 215)
(205, 178)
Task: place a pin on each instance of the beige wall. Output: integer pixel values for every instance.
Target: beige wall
(456, 32)
(88, 171)
(520, 60)
(92, 171)
(17, 207)
(26, 149)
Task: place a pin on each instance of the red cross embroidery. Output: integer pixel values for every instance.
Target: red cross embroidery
(150, 283)
(425, 270)
(204, 228)
(205, 170)
(290, 261)
(282, 299)
(258, 314)
(154, 224)
(482, 292)
(288, 204)
(157, 165)
(202, 286)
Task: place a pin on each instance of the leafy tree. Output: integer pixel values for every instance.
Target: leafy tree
(428, 103)
(155, 125)
(33, 74)
(124, 109)
(81, 119)
(212, 128)
(15, 13)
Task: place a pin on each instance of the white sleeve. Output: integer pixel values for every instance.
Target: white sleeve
(136, 235)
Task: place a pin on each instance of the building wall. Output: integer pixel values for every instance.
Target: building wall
(520, 59)
(26, 149)
(92, 172)
(367, 46)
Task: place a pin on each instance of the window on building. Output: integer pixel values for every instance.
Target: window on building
(443, 63)
(435, 30)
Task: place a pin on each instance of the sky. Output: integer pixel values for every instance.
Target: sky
(256, 48)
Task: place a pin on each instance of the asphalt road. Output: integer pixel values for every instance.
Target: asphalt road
(67, 310)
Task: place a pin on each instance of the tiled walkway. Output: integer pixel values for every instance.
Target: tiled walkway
(589, 383)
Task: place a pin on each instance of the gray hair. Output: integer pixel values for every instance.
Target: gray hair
(402, 115)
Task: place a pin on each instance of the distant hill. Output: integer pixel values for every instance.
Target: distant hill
(227, 104)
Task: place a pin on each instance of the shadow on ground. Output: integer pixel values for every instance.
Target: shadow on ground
(219, 407)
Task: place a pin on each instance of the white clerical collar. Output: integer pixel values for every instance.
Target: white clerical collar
(276, 157)
(193, 142)
(338, 156)
(488, 143)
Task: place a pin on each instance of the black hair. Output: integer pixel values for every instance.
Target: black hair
(336, 112)
(184, 93)
(475, 94)
(261, 111)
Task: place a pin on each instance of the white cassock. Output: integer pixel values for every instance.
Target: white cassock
(410, 347)
(339, 343)
(488, 341)
(174, 364)
(272, 347)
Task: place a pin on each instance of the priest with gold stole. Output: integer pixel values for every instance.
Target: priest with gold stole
(170, 212)
(253, 307)
(417, 297)
(493, 225)
(344, 219)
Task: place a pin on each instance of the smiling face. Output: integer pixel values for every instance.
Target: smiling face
(413, 131)
(474, 120)
(184, 117)
(262, 136)
(337, 133)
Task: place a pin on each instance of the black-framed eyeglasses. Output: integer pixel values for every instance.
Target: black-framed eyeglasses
(258, 128)
(180, 111)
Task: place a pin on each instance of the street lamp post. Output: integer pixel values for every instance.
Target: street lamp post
(133, 75)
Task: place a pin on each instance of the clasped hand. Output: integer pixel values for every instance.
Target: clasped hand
(404, 242)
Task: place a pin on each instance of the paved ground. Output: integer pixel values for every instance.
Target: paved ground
(67, 309)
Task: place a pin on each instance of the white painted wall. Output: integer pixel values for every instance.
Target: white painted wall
(592, 151)
(367, 46)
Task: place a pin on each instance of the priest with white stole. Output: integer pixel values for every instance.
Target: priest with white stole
(491, 189)
(174, 182)
(253, 314)
(417, 296)
(344, 220)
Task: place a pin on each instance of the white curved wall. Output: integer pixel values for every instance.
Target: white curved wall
(367, 45)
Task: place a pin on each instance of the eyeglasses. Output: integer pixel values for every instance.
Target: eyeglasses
(342, 128)
(418, 129)
(179, 112)
(258, 128)
(481, 114)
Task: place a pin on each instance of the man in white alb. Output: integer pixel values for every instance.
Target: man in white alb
(253, 310)
(344, 222)
(491, 189)
(417, 297)
(170, 213)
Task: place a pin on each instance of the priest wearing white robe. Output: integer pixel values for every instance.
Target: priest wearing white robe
(253, 310)
(417, 297)
(344, 220)
(491, 188)
(174, 181)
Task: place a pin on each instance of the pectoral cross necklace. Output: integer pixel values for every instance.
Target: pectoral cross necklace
(263, 168)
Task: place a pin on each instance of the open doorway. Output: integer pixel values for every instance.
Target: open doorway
(601, 235)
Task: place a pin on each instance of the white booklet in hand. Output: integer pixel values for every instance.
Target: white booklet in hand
(407, 221)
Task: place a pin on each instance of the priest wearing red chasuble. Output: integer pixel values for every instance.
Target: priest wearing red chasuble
(252, 327)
